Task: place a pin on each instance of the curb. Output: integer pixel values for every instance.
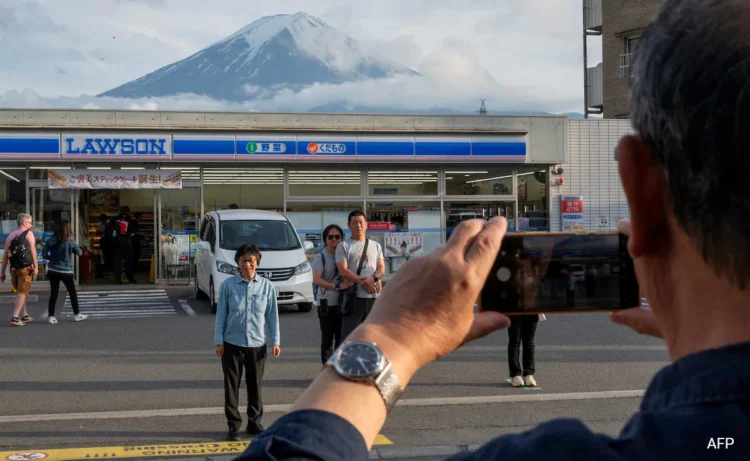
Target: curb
(390, 452)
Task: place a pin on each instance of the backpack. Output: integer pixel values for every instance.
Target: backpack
(47, 252)
(19, 251)
(122, 227)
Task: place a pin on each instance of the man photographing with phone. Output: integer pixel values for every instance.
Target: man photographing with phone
(685, 174)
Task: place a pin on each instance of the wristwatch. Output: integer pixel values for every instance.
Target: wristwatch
(364, 362)
(338, 286)
(375, 277)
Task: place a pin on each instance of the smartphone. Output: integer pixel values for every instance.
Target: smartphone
(538, 273)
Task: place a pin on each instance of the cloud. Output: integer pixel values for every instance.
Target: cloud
(403, 93)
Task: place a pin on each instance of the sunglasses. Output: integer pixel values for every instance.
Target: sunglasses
(334, 237)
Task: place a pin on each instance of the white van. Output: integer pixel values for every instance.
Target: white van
(283, 260)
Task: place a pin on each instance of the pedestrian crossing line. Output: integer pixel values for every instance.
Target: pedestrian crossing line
(142, 451)
(121, 304)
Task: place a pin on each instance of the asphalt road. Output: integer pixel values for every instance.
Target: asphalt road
(168, 363)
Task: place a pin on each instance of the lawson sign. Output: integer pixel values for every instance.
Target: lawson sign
(116, 145)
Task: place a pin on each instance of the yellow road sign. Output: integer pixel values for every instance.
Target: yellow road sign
(141, 451)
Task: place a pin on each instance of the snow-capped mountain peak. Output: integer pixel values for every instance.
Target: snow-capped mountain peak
(281, 51)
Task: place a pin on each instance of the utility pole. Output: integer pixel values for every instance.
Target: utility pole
(483, 108)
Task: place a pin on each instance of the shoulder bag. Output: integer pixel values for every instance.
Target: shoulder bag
(348, 297)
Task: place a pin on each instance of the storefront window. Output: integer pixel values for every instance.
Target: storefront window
(12, 196)
(480, 180)
(533, 214)
(257, 188)
(324, 183)
(311, 218)
(404, 230)
(403, 182)
(457, 212)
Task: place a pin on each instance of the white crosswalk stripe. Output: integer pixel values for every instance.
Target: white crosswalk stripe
(120, 304)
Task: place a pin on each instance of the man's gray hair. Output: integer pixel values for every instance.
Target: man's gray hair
(23, 217)
(691, 106)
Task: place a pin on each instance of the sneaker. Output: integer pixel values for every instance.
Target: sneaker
(27, 319)
(80, 317)
(529, 381)
(52, 320)
(17, 322)
(517, 381)
(233, 435)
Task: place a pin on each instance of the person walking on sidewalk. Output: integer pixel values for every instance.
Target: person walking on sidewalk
(58, 251)
(20, 250)
(247, 304)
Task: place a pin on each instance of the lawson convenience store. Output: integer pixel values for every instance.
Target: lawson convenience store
(415, 184)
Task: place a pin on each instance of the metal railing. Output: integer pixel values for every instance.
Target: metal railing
(626, 61)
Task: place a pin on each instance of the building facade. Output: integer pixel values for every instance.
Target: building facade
(623, 22)
(420, 175)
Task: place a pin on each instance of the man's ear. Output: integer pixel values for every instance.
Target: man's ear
(643, 179)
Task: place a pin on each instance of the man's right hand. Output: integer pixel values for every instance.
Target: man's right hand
(220, 351)
(344, 285)
(640, 320)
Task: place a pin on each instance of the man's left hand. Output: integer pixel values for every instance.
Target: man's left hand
(276, 351)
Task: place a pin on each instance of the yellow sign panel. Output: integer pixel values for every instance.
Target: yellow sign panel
(143, 451)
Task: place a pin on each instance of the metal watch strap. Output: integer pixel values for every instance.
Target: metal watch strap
(389, 386)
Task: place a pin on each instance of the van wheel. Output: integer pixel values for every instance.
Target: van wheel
(212, 296)
(199, 294)
(305, 307)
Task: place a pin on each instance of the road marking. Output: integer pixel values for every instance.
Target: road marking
(121, 304)
(426, 402)
(141, 451)
(186, 307)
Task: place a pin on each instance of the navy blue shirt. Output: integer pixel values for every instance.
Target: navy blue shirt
(689, 407)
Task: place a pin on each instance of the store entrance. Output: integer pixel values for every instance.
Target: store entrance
(99, 211)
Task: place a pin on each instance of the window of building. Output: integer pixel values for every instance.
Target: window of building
(402, 182)
(533, 213)
(257, 188)
(630, 45)
(493, 180)
(456, 212)
(325, 183)
(404, 230)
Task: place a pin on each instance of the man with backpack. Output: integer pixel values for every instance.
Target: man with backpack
(20, 251)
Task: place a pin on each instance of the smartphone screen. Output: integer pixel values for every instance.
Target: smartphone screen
(561, 272)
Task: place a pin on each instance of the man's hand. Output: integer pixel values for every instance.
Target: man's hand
(344, 284)
(220, 351)
(640, 320)
(36, 271)
(2, 277)
(429, 308)
(276, 351)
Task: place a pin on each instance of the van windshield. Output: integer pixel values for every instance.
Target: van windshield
(266, 235)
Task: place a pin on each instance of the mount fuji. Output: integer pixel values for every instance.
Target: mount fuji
(274, 53)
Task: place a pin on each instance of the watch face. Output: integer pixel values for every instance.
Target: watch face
(359, 360)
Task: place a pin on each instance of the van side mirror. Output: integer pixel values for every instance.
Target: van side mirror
(308, 245)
